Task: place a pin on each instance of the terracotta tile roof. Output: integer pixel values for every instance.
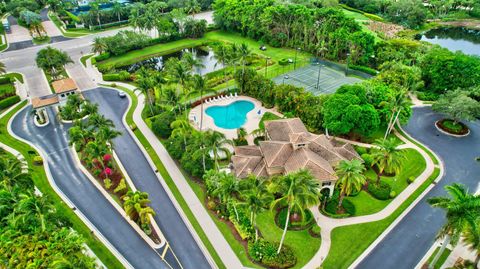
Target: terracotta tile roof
(43, 101)
(64, 85)
(280, 130)
(276, 153)
(291, 148)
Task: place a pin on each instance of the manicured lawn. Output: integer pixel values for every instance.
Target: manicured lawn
(430, 154)
(266, 117)
(168, 180)
(84, 59)
(442, 258)
(348, 242)
(379, 134)
(301, 242)
(414, 165)
(41, 181)
(360, 18)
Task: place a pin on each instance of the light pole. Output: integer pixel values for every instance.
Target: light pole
(348, 58)
(295, 61)
(266, 65)
(318, 78)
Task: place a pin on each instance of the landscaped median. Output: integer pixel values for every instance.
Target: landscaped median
(42, 183)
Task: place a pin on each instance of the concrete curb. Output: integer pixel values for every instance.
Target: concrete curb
(54, 186)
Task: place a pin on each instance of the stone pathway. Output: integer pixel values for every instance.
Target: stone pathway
(327, 224)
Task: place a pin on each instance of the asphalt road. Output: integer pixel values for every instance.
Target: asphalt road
(52, 139)
(181, 240)
(408, 242)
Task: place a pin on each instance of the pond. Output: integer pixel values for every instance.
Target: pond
(204, 54)
(455, 38)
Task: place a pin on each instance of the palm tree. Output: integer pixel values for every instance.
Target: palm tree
(191, 62)
(95, 150)
(12, 174)
(117, 9)
(222, 54)
(215, 142)
(398, 102)
(181, 128)
(146, 83)
(471, 236)
(32, 210)
(256, 197)
(192, 7)
(200, 87)
(99, 46)
(95, 11)
(107, 134)
(181, 74)
(244, 53)
(134, 203)
(350, 177)
(227, 187)
(97, 121)
(387, 156)
(462, 212)
(89, 108)
(298, 191)
(3, 69)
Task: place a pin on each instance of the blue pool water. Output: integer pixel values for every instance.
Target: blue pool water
(232, 116)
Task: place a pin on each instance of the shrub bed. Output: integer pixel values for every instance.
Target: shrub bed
(315, 231)
(302, 224)
(449, 126)
(265, 253)
(331, 208)
(380, 191)
(9, 101)
(427, 96)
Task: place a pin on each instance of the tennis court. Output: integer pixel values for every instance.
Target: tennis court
(307, 77)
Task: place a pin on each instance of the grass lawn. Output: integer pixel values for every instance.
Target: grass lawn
(442, 259)
(17, 76)
(168, 180)
(430, 154)
(84, 59)
(361, 19)
(379, 134)
(41, 181)
(414, 165)
(3, 45)
(266, 117)
(37, 41)
(348, 242)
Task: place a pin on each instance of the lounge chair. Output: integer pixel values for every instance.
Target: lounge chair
(236, 95)
(230, 96)
(206, 101)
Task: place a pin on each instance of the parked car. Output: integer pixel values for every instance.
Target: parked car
(263, 47)
(122, 94)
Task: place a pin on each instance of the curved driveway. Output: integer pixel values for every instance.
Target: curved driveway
(408, 242)
(52, 139)
(174, 229)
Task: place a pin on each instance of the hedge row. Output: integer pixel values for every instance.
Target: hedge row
(9, 101)
(5, 80)
(380, 191)
(121, 76)
(364, 69)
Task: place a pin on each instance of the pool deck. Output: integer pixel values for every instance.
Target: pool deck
(251, 124)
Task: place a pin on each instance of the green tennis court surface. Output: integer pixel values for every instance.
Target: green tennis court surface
(307, 76)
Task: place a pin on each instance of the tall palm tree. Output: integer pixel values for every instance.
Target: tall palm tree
(350, 178)
(298, 191)
(3, 69)
(191, 62)
(199, 86)
(192, 7)
(216, 142)
(12, 174)
(95, 150)
(462, 212)
(95, 11)
(181, 74)
(107, 134)
(222, 54)
(117, 9)
(244, 53)
(398, 102)
(256, 197)
(99, 46)
(387, 156)
(471, 236)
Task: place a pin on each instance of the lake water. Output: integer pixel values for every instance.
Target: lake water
(455, 38)
(205, 55)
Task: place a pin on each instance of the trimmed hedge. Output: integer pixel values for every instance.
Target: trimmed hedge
(101, 57)
(331, 208)
(364, 69)
(9, 101)
(122, 76)
(6, 80)
(380, 191)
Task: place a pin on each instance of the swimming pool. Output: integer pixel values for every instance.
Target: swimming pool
(231, 116)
